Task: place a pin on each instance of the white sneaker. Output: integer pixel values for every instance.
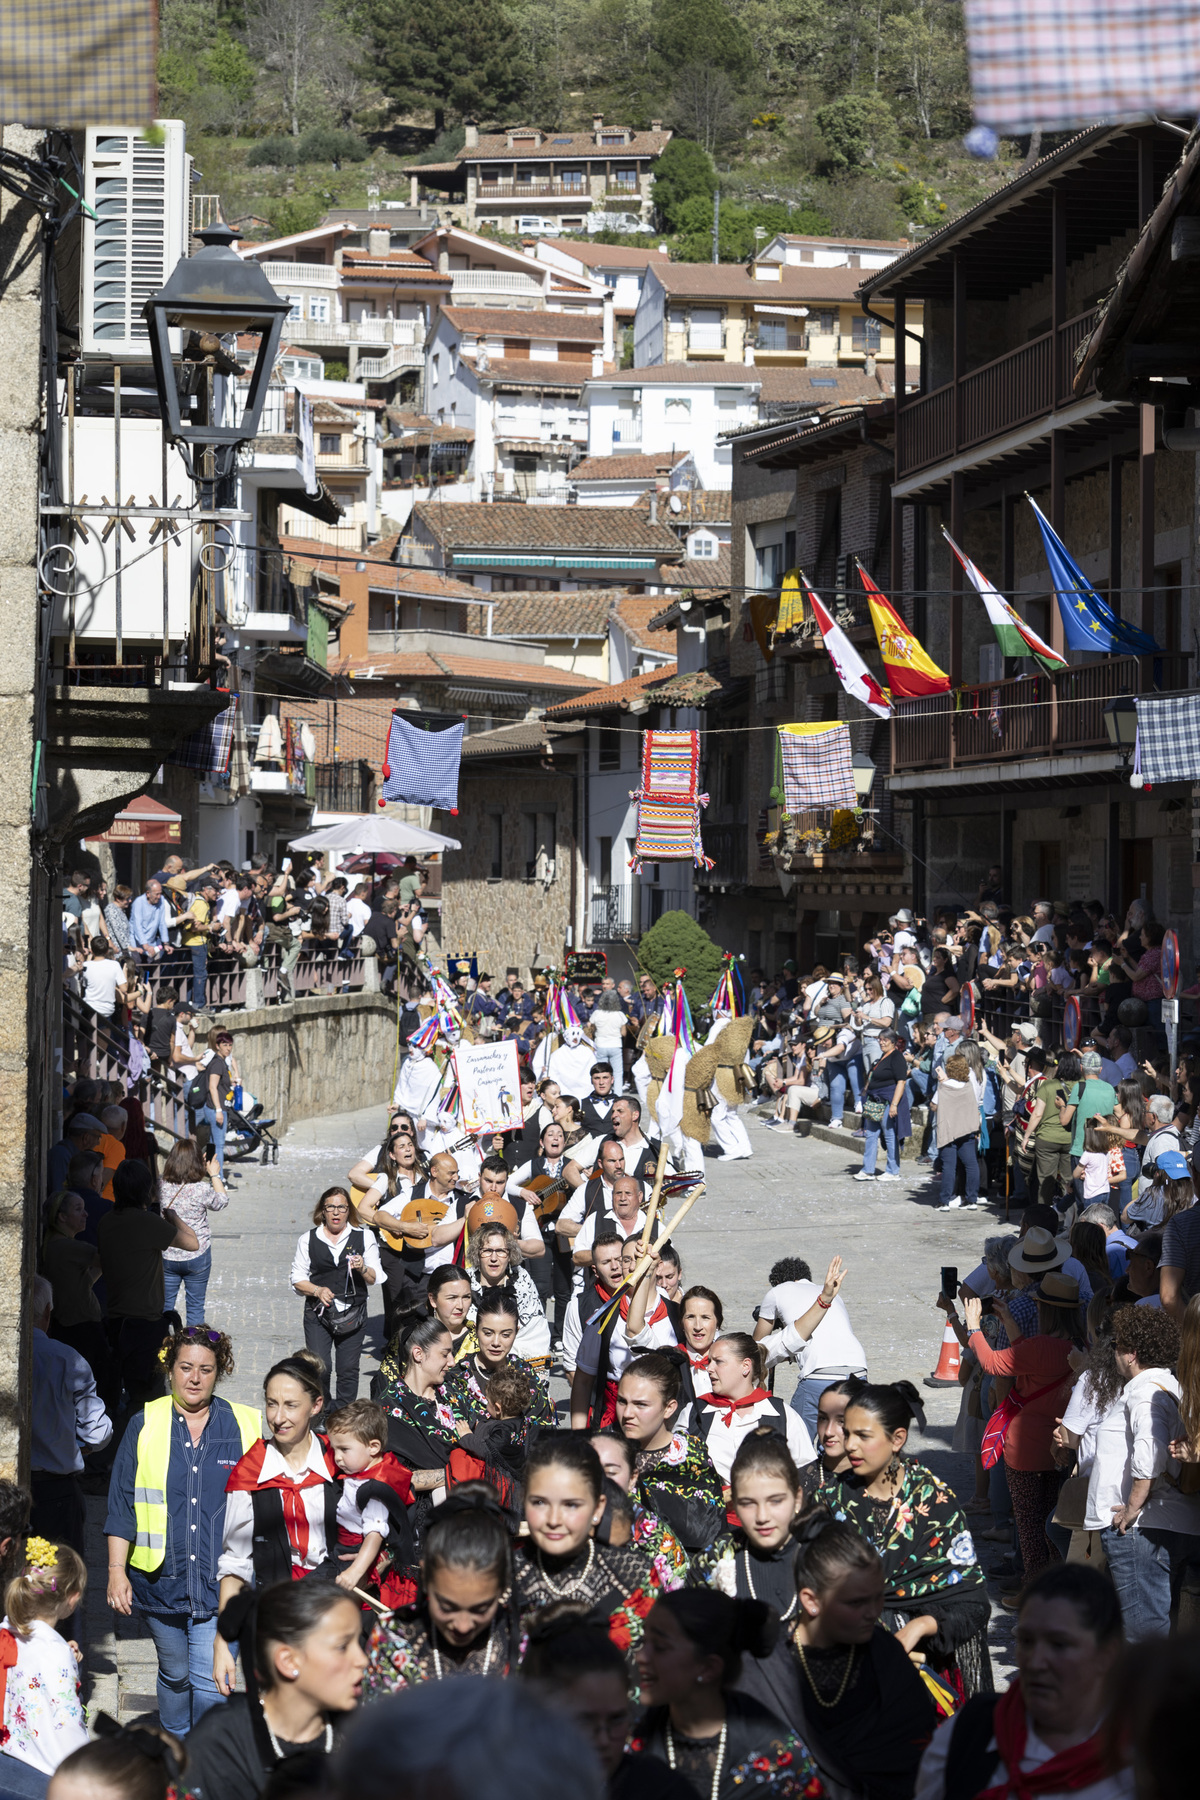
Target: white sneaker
(835, 1124)
(953, 1205)
(863, 1176)
(886, 1177)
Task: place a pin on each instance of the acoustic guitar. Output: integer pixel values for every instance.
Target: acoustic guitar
(553, 1194)
(426, 1212)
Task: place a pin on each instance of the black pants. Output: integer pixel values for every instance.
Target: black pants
(339, 1355)
(58, 1511)
(553, 1276)
(405, 1287)
(136, 1343)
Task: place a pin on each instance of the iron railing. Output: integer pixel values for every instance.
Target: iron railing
(611, 915)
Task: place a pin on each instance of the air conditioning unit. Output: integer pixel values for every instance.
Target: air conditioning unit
(140, 193)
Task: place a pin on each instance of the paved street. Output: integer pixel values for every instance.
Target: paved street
(794, 1197)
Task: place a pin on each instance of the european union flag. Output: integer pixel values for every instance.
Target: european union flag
(1089, 623)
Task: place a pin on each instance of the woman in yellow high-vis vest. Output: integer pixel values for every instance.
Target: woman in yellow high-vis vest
(166, 1517)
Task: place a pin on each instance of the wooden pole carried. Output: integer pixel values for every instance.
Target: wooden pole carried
(664, 1151)
(668, 1231)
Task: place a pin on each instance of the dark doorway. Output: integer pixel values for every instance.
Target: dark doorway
(1137, 873)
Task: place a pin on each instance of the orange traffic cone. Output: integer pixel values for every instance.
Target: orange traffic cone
(949, 1362)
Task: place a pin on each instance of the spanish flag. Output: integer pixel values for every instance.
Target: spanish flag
(911, 672)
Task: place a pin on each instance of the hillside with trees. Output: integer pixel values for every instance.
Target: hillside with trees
(846, 115)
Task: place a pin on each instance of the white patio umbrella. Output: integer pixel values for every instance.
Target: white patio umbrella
(373, 836)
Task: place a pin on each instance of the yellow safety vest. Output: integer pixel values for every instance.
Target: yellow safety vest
(150, 1480)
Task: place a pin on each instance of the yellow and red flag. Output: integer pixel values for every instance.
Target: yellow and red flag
(911, 672)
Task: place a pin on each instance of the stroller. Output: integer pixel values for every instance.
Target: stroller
(247, 1134)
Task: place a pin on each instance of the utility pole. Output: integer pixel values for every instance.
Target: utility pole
(716, 255)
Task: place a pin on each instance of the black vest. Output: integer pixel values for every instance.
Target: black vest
(271, 1550)
(705, 1418)
(325, 1270)
(970, 1765)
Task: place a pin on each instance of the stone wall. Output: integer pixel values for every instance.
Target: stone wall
(510, 920)
(325, 1055)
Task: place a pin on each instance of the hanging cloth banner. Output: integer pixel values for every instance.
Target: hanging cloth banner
(764, 609)
(1168, 739)
(911, 671)
(668, 827)
(848, 665)
(791, 603)
(1013, 635)
(817, 772)
(421, 767)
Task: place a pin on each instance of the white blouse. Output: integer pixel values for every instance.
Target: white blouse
(43, 1715)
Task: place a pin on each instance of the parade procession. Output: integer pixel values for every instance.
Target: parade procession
(600, 951)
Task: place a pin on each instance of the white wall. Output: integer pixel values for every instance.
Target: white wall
(649, 336)
(684, 418)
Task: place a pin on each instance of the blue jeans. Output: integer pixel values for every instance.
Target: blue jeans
(1139, 1565)
(918, 1086)
(1124, 1194)
(186, 1689)
(804, 1400)
(614, 1057)
(199, 976)
(839, 1074)
(194, 1275)
(208, 1115)
(20, 1780)
(962, 1149)
(885, 1128)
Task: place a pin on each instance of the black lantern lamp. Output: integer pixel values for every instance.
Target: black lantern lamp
(863, 770)
(1120, 722)
(211, 294)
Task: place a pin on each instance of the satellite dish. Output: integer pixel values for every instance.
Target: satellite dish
(675, 503)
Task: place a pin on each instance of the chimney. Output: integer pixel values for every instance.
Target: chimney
(472, 137)
(597, 363)
(656, 124)
(664, 250)
(597, 121)
(443, 254)
(748, 354)
(609, 332)
(379, 240)
(654, 506)
(870, 365)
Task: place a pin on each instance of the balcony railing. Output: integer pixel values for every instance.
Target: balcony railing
(398, 332)
(627, 432)
(540, 187)
(347, 787)
(611, 915)
(493, 281)
(1003, 395)
(1034, 716)
(285, 275)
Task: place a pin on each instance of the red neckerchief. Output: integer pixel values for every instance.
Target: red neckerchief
(8, 1660)
(697, 1362)
(1066, 1772)
(392, 1472)
(729, 1407)
(246, 1477)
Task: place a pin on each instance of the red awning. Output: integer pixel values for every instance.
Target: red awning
(143, 821)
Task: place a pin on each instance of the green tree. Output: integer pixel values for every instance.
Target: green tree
(298, 212)
(684, 171)
(229, 65)
(677, 942)
(858, 129)
(705, 105)
(455, 56)
(700, 31)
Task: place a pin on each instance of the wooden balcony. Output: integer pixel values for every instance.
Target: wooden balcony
(1013, 390)
(1036, 716)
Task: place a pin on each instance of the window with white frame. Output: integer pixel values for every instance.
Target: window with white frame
(318, 309)
(296, 302)
(702, 546)
(678, 409)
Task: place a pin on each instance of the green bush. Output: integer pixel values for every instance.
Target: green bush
(337, 147)
(684, 172)
(675, 942)
(273, 152)
(858, 129)
(299, 212)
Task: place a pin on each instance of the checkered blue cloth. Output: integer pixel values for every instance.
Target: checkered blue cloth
(1168, 738)
(208, 750)
(1055, 64)
(423, 765)
(817, 772)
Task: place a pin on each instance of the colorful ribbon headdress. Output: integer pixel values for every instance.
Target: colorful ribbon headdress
(729, 995)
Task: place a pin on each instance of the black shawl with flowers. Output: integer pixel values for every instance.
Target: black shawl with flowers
(762, 1755)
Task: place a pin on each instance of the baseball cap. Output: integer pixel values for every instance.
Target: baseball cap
(182, 1006)
(85, 1122)
(1173, 1165)
(1027, 1031)
(1092, 1062)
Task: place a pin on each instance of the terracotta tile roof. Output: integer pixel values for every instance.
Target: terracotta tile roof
(705, 506)
(399, 266)
(688, 374)
(841, 243)
(513, 526)
(401, 578)
(530, 735)
(516, 322)
(824, 387)
(732, 281)
(617, 695)
(328, 412)
(626, 468)
(513, 371)
(584, 613)
(702, 573)
(635, 612)
(606, 256)
(556, 146)
(439, 665)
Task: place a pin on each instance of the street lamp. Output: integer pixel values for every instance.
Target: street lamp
(211, 294)
(863, 770)
(1120, 722)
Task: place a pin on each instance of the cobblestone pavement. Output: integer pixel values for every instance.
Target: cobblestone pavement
(793, 1197)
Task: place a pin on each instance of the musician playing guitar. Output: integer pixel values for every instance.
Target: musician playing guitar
(542, 1183)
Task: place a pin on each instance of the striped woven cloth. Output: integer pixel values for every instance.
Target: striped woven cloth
(668, 833)
(670, 764)
(817, 771)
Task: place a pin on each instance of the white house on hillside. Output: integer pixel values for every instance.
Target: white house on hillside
(673, 409)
